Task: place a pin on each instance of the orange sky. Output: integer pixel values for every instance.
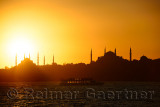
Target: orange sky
(70, 28)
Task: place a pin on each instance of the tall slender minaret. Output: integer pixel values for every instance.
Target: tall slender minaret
(105, 50)
(24, 55)
(91, 55)
(38, 58)
(16, 60)
(29, 56)
(44, 60)
(130, 54)
(115, 52)
(53, 58)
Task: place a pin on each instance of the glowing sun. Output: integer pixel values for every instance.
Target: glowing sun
(20, 46)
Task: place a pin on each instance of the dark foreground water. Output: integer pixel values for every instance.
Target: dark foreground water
(119, 94)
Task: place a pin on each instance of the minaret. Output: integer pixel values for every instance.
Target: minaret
(38, 58)
(53, 59)
(16, 60)
(105, 50)
(24, 55)
(115, 52)
(29, 56)
(44, 60)
(130, 54)
(91, 55)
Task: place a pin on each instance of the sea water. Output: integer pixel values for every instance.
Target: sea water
(120, 94)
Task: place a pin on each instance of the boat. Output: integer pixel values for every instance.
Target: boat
(80, 81)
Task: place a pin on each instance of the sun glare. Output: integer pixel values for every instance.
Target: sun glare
(20, 46)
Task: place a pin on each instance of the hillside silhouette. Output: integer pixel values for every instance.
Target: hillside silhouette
(109, 67)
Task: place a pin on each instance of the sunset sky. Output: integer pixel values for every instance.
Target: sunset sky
(70, 28)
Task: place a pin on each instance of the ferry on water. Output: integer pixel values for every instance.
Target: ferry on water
(80, 81)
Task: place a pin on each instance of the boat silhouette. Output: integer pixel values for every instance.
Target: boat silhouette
(80, 81)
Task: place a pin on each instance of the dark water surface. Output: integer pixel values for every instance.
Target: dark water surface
(119, 94)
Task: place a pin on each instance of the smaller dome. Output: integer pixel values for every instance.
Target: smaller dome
(144, 58)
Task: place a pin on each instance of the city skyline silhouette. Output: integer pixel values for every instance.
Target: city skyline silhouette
(109, 67)
(70, 28)
(79, 53)
(91, 54)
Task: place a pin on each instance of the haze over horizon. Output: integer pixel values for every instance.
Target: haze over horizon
(69, 29)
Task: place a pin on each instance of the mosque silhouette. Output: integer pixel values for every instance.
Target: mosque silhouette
(109, 67)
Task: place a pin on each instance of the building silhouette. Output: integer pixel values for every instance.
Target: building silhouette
(130, 54)
(44, 60)
(16, 60)
(24, 56)
(91, 56)
(29, 56)
(53, 59)
(108, 67)
(105, 50)
(38, 58)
